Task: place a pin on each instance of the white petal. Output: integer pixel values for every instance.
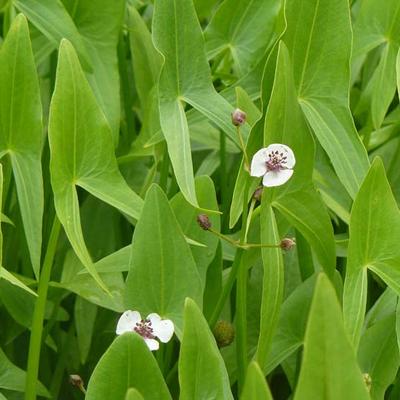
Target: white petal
(127, 322)
(164, 330)
(258, 163)
(152, 344)
(286, 150)
(154, 318)
(277, 178)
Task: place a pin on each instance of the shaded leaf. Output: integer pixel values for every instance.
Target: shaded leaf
(202, 373)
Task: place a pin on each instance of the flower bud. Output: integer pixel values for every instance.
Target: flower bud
(204, 221)
(77, 381)
(238, 117)
(258, 193)
(367, 380)
(224, 333)
(287, 243)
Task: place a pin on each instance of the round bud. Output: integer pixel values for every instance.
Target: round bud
(204, 221)
(224, 333)
(238, 117)
(287, 243)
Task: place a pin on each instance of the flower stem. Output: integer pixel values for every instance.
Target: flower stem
(243, 147)
(241, 300)
(240, 244)
(38, 314)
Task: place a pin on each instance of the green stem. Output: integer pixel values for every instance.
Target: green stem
(243, 146)
(223, 181)
(239, 244)
(164, 170)
(38, 314)
(226, 290)
(241, 300)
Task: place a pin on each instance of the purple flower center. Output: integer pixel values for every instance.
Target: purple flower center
(144, 329)
(276, 161)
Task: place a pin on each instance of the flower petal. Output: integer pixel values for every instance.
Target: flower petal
(164, 330)
(258, 163)
(277, 178)
(287, 152)
(127, 321)
(152, 344)
(154, 318)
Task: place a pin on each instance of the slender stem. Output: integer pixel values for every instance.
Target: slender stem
(38, 314)
(164, 170)
(239, 244)
(241, 302)
(226, 290)
(243, 146)
(223, 181)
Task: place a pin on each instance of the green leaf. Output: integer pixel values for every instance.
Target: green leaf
(292, 324)
(377, 26)
(297, 200)
(133, 394)
(326, 350)
(244, 29)
(82, 153)
(255, 386)
(4, 274)
(202, 373)
(163, 272)
(318, 37)
(85, 317)
(21, 130)
(99, 23)
(373, 244)
(146, 61)
(53, 20)
(379, 355)
(13, 378)
(186, 215)
(127, 363)
(273, 282)
(185, 77)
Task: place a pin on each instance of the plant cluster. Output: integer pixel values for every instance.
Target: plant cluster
(199, 199)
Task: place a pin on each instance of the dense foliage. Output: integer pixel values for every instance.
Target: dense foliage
(199, 199)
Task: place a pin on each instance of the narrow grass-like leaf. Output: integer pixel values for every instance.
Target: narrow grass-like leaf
(373, 244)
(185, 77)
(255, 386)
(202, 373)
(326, 350)
(273, 282)
(82, 153)
(318, 37)
(127, 363)
(163, 272)
(21, 130)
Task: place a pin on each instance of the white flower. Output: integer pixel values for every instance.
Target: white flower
(150, 328)
(275, 163)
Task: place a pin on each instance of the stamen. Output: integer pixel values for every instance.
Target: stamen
(144, 329)
(276, 161)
